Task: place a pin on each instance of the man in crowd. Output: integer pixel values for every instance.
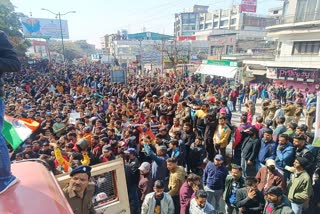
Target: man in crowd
(214, 177)
(200, 204)
(158, 202)
(300, 187)
(249, 200)
(285, 155)
(234, 182)
(277, 202)
(188, 188)
(176, 179)
(79, 192)
(268, 148)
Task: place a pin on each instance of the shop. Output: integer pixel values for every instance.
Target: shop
(299, 78)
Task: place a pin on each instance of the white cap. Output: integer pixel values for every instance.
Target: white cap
(144, 166)
(270, 162)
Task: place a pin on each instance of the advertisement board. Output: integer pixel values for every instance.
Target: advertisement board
(249, 6)
(44, 28)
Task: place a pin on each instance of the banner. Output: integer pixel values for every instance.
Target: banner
(316, 141)
(44, 28)
(249, 6)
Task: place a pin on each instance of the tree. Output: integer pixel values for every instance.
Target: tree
(10, 24)
(173, 51)
(73, 50)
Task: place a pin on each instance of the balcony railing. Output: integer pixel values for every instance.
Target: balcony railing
(306, 17)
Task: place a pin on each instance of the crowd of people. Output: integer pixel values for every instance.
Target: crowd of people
(173, 137)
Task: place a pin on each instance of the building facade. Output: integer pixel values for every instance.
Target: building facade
(297, 57)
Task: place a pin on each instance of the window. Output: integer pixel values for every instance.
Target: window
(311, 47)
(233, 21)
(275, 11)
(106, 190)
(215, 24)
(209, 25)
(224, 23)
(201, 26)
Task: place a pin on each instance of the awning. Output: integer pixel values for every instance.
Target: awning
(222, 71)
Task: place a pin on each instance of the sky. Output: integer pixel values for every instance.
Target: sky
(96, 18)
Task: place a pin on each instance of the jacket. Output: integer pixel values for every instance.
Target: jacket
(214, 177)
(267, 151)
(300, 188)
(149, 204)
(186, 192)
(159, 170)
(252, 206)
(285, 157)
(81, 205)
(176, 179)
(250, 148)
(9, 61)
(283, 208)
(228, 187)
(275, 179)
(223, 136)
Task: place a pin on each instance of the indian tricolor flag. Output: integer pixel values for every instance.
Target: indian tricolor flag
(15, 131)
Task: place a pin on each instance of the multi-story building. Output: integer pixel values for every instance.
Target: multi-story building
(297, 60)
(187, 23)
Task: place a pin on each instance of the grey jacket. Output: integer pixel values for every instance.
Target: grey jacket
(149, 204)
(283, 208)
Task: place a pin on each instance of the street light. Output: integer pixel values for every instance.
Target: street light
(59, 16)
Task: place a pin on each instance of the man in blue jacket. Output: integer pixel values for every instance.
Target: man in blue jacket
(214, 178)
(9, 62)
(285, 155)
(267, 150)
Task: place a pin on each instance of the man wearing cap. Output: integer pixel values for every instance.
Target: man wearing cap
(268, 148)
(300, 186)
(107, 154)
(310, 116)
(145, 181)
(299, 142)
(269, 176)
(214, 178)
(277, 202)
(79, 192)
(221, 136)
(289, 111)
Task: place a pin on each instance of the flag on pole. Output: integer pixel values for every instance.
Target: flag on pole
(316, 141)
(15, 131)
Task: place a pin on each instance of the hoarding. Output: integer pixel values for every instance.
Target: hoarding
(249, 6)
(44, 28)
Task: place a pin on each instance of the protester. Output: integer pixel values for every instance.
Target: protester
(277, 202)
(200, 205)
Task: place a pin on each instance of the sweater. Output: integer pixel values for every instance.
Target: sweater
(214, 177)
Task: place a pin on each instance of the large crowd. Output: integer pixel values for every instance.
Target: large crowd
(185, 148)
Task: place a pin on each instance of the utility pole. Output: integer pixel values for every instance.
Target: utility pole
(60, 23)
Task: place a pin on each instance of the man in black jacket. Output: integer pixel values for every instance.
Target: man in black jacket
(9, 62)
(249, 200)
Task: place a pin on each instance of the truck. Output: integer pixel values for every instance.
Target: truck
(39, 191)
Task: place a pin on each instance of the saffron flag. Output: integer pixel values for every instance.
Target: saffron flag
(16, 131)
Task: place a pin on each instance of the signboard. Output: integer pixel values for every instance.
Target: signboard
(271, 73)
(222, 63)
(309, 75)
(182, 38)
(44, 28)
(316, 141)
(119, 76)
(249, 6)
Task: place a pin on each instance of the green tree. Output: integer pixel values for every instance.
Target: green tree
(10, 24)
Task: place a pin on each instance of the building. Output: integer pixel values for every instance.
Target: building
(187, 23)
(297, 59)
